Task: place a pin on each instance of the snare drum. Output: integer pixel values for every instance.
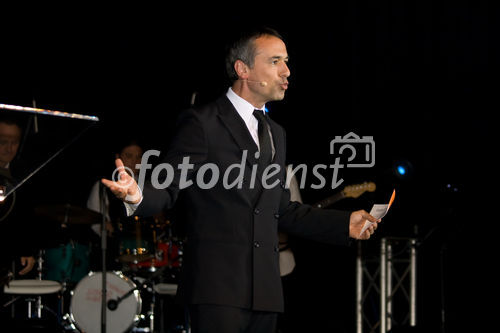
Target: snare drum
(86, 303)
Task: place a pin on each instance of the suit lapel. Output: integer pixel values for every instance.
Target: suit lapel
(236, 126)
(239, 131)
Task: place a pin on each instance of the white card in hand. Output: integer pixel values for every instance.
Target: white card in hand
(378, 211)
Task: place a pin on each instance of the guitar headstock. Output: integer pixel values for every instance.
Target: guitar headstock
(354, 191)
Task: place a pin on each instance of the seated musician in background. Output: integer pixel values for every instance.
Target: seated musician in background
(16, 241)
(130, 152)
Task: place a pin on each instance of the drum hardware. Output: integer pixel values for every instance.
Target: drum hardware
(39, 277)
(39, 263)
(113, 303)
(67, 323)
(147, 293)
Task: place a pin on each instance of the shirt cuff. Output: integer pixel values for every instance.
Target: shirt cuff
(131, 208)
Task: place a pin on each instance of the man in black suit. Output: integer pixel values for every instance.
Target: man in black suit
(231, 278)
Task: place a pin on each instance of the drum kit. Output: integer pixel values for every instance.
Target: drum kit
(130, 297)
(149, 258)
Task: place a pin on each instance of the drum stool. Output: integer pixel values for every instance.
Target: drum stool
(32, 288)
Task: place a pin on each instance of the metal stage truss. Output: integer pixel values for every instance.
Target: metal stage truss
(386, 285)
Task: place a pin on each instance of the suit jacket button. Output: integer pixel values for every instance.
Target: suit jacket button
(276, 248)
(276, 216)
(256, 244)
(256, 211)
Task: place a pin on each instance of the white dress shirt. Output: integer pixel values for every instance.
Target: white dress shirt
(245, 110)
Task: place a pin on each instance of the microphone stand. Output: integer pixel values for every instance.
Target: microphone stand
(103, 257)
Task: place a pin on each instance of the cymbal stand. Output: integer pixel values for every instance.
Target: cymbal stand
(38, 305)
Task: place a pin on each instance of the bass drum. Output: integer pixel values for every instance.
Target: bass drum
(85, 306)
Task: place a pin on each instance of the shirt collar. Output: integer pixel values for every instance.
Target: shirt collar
(244, 108)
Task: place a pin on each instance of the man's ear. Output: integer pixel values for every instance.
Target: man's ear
(241, 69)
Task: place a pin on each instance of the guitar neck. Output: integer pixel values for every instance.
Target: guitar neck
(330, 200)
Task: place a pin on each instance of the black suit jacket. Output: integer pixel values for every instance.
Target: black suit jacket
(231, 254)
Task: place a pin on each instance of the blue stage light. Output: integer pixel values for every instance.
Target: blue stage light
(403, 169)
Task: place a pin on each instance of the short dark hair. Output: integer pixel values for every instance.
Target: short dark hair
(243, 48)
(120, 146)
(10, 120)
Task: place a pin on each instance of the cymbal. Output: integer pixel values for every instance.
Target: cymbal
(68, 214)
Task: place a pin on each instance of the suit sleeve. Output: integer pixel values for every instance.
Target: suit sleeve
(321, 225)
(188, 145)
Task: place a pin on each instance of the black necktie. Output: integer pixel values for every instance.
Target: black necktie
(265, 154)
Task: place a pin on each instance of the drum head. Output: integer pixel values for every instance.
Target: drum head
(86, 303)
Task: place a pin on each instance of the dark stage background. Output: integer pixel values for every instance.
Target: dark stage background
(418, 76)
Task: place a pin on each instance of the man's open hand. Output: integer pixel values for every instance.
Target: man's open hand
(125, 188)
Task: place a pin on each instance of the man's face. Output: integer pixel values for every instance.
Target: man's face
(10, 137)
(270, 66)
(131, 156)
